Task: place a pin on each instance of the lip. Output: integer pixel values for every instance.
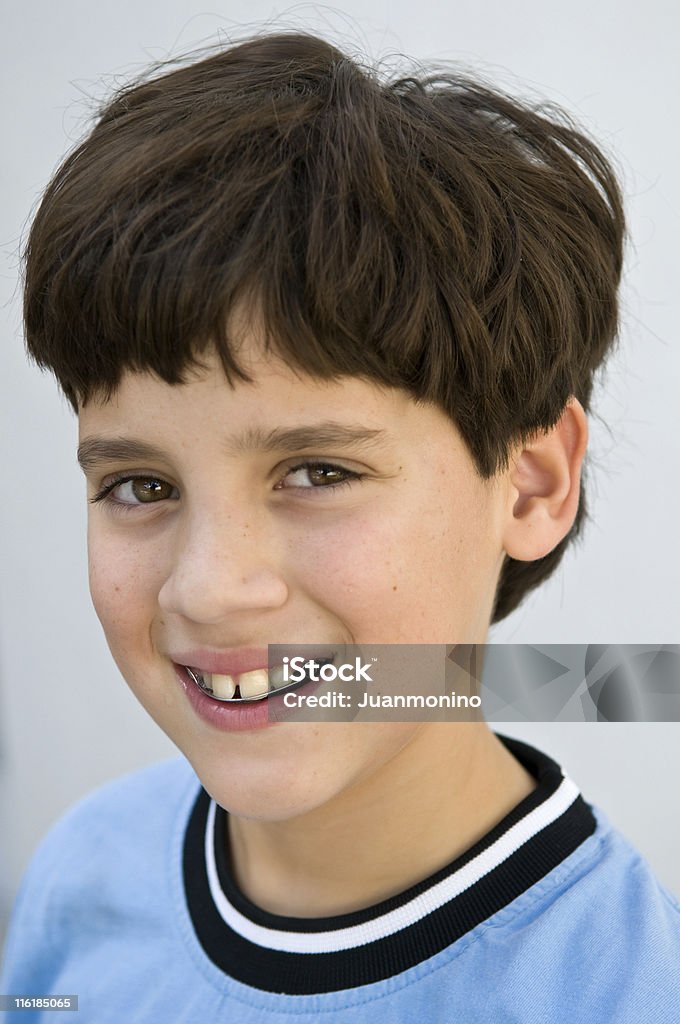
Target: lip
(236, 717)
(239, 660)
(224, 663)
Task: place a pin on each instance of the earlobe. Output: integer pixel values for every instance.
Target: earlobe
(543, 486)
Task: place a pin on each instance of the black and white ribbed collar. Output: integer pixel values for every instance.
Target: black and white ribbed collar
(300, 956)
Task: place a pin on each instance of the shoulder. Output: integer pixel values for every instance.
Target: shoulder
(625, 940)
(596, 939)
(622, 887)
(102, 840)
(140, 801)
(603, 934)
(105, 864)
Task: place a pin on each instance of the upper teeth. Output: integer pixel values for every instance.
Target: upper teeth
(251, 684)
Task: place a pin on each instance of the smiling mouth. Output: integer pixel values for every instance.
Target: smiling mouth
(249, 686)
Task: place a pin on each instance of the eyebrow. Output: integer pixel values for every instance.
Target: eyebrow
(95, 450)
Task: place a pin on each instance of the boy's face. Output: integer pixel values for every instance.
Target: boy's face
(234, 541)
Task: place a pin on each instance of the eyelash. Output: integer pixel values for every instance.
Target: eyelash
(104, 494)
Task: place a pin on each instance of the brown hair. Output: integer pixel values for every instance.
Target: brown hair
(427, 232)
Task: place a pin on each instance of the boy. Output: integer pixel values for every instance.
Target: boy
(342, 335)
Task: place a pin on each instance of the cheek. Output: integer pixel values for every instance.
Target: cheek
(368, 571)
(408, 575)
(122, 587)
(124, 590)
(347, 565)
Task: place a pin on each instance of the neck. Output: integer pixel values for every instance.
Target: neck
(385, 833)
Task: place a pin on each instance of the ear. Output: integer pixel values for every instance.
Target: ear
(543, 486)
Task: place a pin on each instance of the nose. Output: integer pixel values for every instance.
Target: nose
(223, 563)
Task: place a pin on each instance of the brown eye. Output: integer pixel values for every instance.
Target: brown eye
(130, 492)
(326, 474)
(147, 489)
(318, 475)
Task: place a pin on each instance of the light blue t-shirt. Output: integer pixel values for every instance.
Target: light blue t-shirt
(552, 916)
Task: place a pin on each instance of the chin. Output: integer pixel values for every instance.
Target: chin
(260, 805)
(261, 796)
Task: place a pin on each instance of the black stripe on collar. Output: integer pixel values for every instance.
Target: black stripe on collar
(301, 956)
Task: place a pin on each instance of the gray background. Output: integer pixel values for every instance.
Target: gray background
(68, 721)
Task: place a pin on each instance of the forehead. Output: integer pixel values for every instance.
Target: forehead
(274, 389)
(280, 409)
(277, 393)
(279, 406)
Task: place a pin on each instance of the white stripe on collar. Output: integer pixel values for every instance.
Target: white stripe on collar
(409, 913)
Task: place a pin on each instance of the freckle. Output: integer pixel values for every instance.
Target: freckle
(394, 588)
